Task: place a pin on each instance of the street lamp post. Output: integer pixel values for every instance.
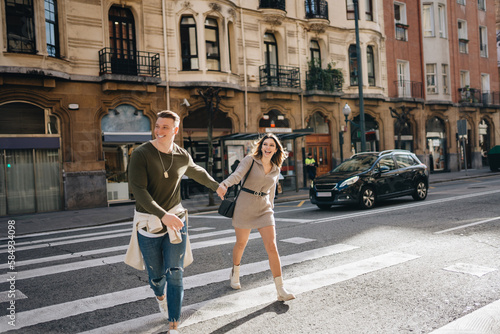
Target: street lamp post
(360, 80)
(346, 111)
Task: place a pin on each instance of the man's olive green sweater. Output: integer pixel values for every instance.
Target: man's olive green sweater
(155, 194)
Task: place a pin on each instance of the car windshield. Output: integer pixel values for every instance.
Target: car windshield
(358, 163)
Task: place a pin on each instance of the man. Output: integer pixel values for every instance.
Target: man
(311, 167)
(155, 172)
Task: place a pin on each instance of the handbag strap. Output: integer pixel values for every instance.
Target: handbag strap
(245, 180)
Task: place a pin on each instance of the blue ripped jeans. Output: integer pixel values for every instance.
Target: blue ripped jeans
(164, 262)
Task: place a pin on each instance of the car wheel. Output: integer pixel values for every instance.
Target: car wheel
(324, 206)
(420, 192)
(367, 198)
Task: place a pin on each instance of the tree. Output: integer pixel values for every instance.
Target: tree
(402, 120)
(212, 100)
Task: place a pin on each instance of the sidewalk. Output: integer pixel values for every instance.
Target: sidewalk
(62, 220)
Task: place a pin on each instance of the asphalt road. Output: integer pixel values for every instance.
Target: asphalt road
(403, 267)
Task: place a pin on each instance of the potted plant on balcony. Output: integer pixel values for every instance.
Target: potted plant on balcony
(329, 79)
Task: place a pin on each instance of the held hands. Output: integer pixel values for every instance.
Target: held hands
(172, 221)
(221, 191)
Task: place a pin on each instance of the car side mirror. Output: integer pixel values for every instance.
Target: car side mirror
(384, 169)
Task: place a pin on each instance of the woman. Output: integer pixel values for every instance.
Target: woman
(254, 207)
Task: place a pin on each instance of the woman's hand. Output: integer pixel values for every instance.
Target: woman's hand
(222, 190)
(172, 221)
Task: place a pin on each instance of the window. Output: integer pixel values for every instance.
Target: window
(271, 58)
(350, 10)
(387, 162)
(400, 21)
(353, 65)
(20, 21)
(189, 45)
(461, 2)
(212, 44)
(485, 89)
(369, 10)
(444, 74)
(483, 41)
(370, 65)
(404, 83)
(431, 78)
(51, 28)
(405, 160)
(315, 53)
(442, 21)
(122, 41)
(462, 37)
(481, 4)
(464, 78)
(428, 18)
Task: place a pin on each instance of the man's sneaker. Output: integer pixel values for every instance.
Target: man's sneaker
(162, 304)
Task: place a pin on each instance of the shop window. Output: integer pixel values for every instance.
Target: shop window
(436, 144)
(274, 119)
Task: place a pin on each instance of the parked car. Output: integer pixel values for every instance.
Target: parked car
(369, 177)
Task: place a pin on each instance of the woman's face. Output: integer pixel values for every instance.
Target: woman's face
(269, 148)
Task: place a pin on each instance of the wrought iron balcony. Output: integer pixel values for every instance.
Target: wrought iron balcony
(279, 76)
(409, 89)
(469, 95)
(137, 63)
(272, 4)
(316, 9)
(325, 80)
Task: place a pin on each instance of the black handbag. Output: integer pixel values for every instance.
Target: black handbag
(226, 208)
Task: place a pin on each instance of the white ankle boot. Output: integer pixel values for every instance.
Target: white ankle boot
(283, 295)
(235, 278)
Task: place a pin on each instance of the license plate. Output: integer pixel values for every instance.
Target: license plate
(323, 194)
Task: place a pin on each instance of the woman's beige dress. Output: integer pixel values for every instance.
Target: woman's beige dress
(252, 211)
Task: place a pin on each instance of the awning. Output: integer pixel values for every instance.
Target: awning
(253, 136)
(126, 137)
(18, 143)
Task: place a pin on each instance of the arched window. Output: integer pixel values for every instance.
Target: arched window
(274, 119)
(271, 58)
(370, 65)
(353, 65)
(315, 53)
(212, 44)
(318, 123)
(189, 45)
(122, 41)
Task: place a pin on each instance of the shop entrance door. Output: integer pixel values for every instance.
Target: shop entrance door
(319, 147)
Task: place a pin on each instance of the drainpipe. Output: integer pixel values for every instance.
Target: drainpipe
(165, 48)
(244, 69)
(300, 70)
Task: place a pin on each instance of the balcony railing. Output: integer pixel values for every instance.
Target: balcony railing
(469, 95)
(325, 80)
(316, 9)
(279, 76)
(137, 63)
(490, 98)
(409, 89)
(273, 4)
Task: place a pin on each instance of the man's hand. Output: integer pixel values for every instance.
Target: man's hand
(172, 221)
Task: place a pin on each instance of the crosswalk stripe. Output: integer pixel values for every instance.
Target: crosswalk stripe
(242, 300)
(61, 268)
(90, 304)
(103, 250)
(485, 320)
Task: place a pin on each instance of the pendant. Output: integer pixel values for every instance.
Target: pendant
(165, 174)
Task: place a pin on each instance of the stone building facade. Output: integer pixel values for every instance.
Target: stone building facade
(82, 81)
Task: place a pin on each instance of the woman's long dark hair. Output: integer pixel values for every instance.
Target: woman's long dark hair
(280, 154)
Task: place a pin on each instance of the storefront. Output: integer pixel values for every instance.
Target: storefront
(436, 144)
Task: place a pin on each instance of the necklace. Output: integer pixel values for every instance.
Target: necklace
(165, 172)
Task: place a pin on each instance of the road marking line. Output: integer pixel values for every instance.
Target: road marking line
(298, 240)
(467, 225)
(61, 268)
(291, 220)
(245, 299)
(485, 320)
(472, 269)
(301, 203)
(90, 304)
(69, 230)
(4, 296)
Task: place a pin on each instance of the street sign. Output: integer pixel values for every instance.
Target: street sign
(462, 127)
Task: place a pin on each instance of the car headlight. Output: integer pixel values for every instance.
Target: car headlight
(312, 184)
(348, 182)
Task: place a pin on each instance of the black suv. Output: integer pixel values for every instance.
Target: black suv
(369, 177)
